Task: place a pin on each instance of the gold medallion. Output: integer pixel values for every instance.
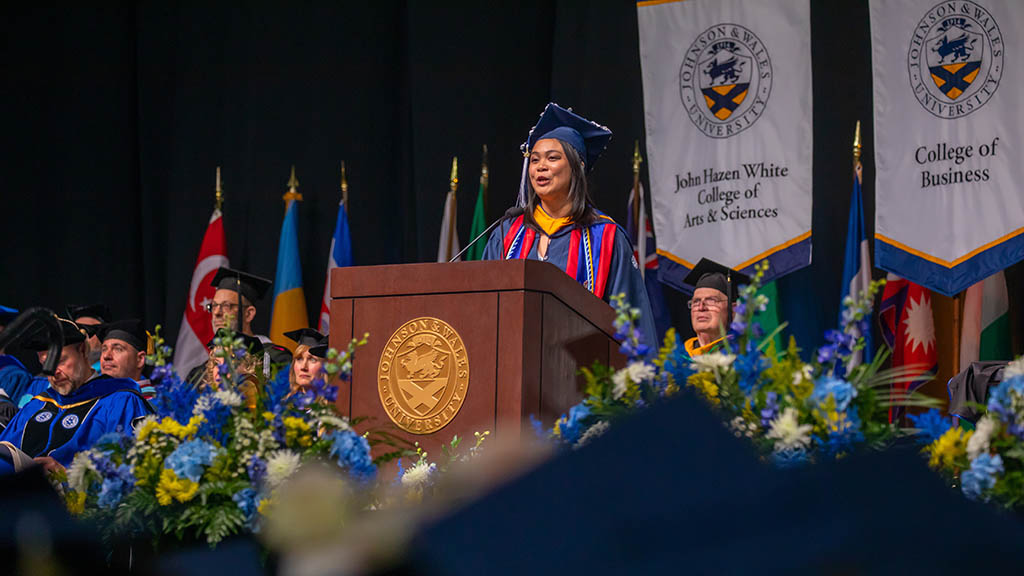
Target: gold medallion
(423, 375)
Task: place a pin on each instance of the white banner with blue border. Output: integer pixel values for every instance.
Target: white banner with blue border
(948, 91)
(727, 108)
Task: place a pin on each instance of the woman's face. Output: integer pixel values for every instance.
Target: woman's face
(306, 368)
(550, 173)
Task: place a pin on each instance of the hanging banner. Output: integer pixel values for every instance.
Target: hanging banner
(948, 133)
(727, 107)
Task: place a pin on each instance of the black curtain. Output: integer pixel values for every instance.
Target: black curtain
(118, 113)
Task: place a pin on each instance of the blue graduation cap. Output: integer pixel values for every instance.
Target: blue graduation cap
(589, 139)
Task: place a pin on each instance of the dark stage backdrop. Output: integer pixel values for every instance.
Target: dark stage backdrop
(117, 114)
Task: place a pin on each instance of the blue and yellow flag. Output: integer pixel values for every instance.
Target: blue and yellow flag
(289, 299)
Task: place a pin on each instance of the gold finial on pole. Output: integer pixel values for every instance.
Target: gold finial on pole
(344, 186)
(218, 195)
(485, 177)
(293, 188)
(484, 172)
(454, 181)
(856, 144)
(637, 207)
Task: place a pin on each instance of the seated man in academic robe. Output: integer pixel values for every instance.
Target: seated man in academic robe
(123, 346)
(715, 290)
(78, 408)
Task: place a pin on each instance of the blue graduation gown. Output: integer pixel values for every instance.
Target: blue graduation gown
(59, 426)
(14, 378)
(623, 274)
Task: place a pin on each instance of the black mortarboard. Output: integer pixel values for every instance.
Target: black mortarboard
(98, 311)
(131, 331)
(589, 139)
(252, 344)
(320, 350)
(250, 286)
(305, 337)
(73, 334)
(711, 274)
(7, 314)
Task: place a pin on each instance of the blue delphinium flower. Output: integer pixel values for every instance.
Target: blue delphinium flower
(770, 410)
(115, 485)
(176, 398)
(981, 477)
(257, 469)
(216, 417)
(844, 435)
(223, 369)
(1007, 401)
(538, 428)
(190, 459)
(398, 477)
(353, 454)
(571, 427)
(277, 389)
(749, 367)
(931, 425)
(842, 391)
(248, 501)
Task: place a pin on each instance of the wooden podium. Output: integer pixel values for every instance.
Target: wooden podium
(468, 346)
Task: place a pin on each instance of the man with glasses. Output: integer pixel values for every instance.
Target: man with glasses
(234, 307)
(715, 289)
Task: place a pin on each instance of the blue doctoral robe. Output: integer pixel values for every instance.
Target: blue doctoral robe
(623, 275)
(14, 378)
(59, 426)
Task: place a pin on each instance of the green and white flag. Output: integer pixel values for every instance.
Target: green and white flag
(986, 323)
(476, 251)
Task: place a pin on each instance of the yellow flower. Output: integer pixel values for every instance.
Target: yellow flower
(145, 428)
(705, 384)
(950, 447)
(76, 502)
(173, 488)
(268, 416)
(296, 431)
(172, 427)
(265, 506)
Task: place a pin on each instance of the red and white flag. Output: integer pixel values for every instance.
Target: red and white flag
(908, 327)
(190, 349)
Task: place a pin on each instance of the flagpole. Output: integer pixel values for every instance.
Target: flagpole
(453, 186)
(636, 193)
(344, 187)
(218, 195)
(484, 178)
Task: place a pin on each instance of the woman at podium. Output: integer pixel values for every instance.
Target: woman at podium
(560, 224)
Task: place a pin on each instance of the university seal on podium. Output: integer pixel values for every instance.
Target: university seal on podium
(423, 375)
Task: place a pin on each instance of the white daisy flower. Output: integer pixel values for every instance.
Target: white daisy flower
(280, 466)
(788, 433)
(621, 380)
(419, 475)
(1015, 368)
(980, 441)
(228, 397)
(80, 466)
(713, 361)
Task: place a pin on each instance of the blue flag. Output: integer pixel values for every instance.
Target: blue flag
(340, 255)
(857, 266)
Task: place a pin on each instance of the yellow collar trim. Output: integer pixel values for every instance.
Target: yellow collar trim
(693, 347)
(64, 407)
(548, 224)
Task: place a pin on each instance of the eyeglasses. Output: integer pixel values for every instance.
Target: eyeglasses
(221, 306)
(709, 303)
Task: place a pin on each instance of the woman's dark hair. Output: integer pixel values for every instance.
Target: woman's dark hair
(582, 207)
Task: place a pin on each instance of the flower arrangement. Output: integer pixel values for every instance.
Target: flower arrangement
(989, 460)
(792, 410)
(207, 464)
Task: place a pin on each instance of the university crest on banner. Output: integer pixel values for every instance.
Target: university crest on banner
(727, 105)
(948, 132)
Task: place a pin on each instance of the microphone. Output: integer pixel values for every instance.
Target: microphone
(512, 212)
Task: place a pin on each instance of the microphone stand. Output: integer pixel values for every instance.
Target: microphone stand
(510, 213)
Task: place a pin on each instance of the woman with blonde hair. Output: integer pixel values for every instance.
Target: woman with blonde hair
(306, 363)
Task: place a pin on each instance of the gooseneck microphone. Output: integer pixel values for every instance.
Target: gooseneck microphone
(511, 213)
